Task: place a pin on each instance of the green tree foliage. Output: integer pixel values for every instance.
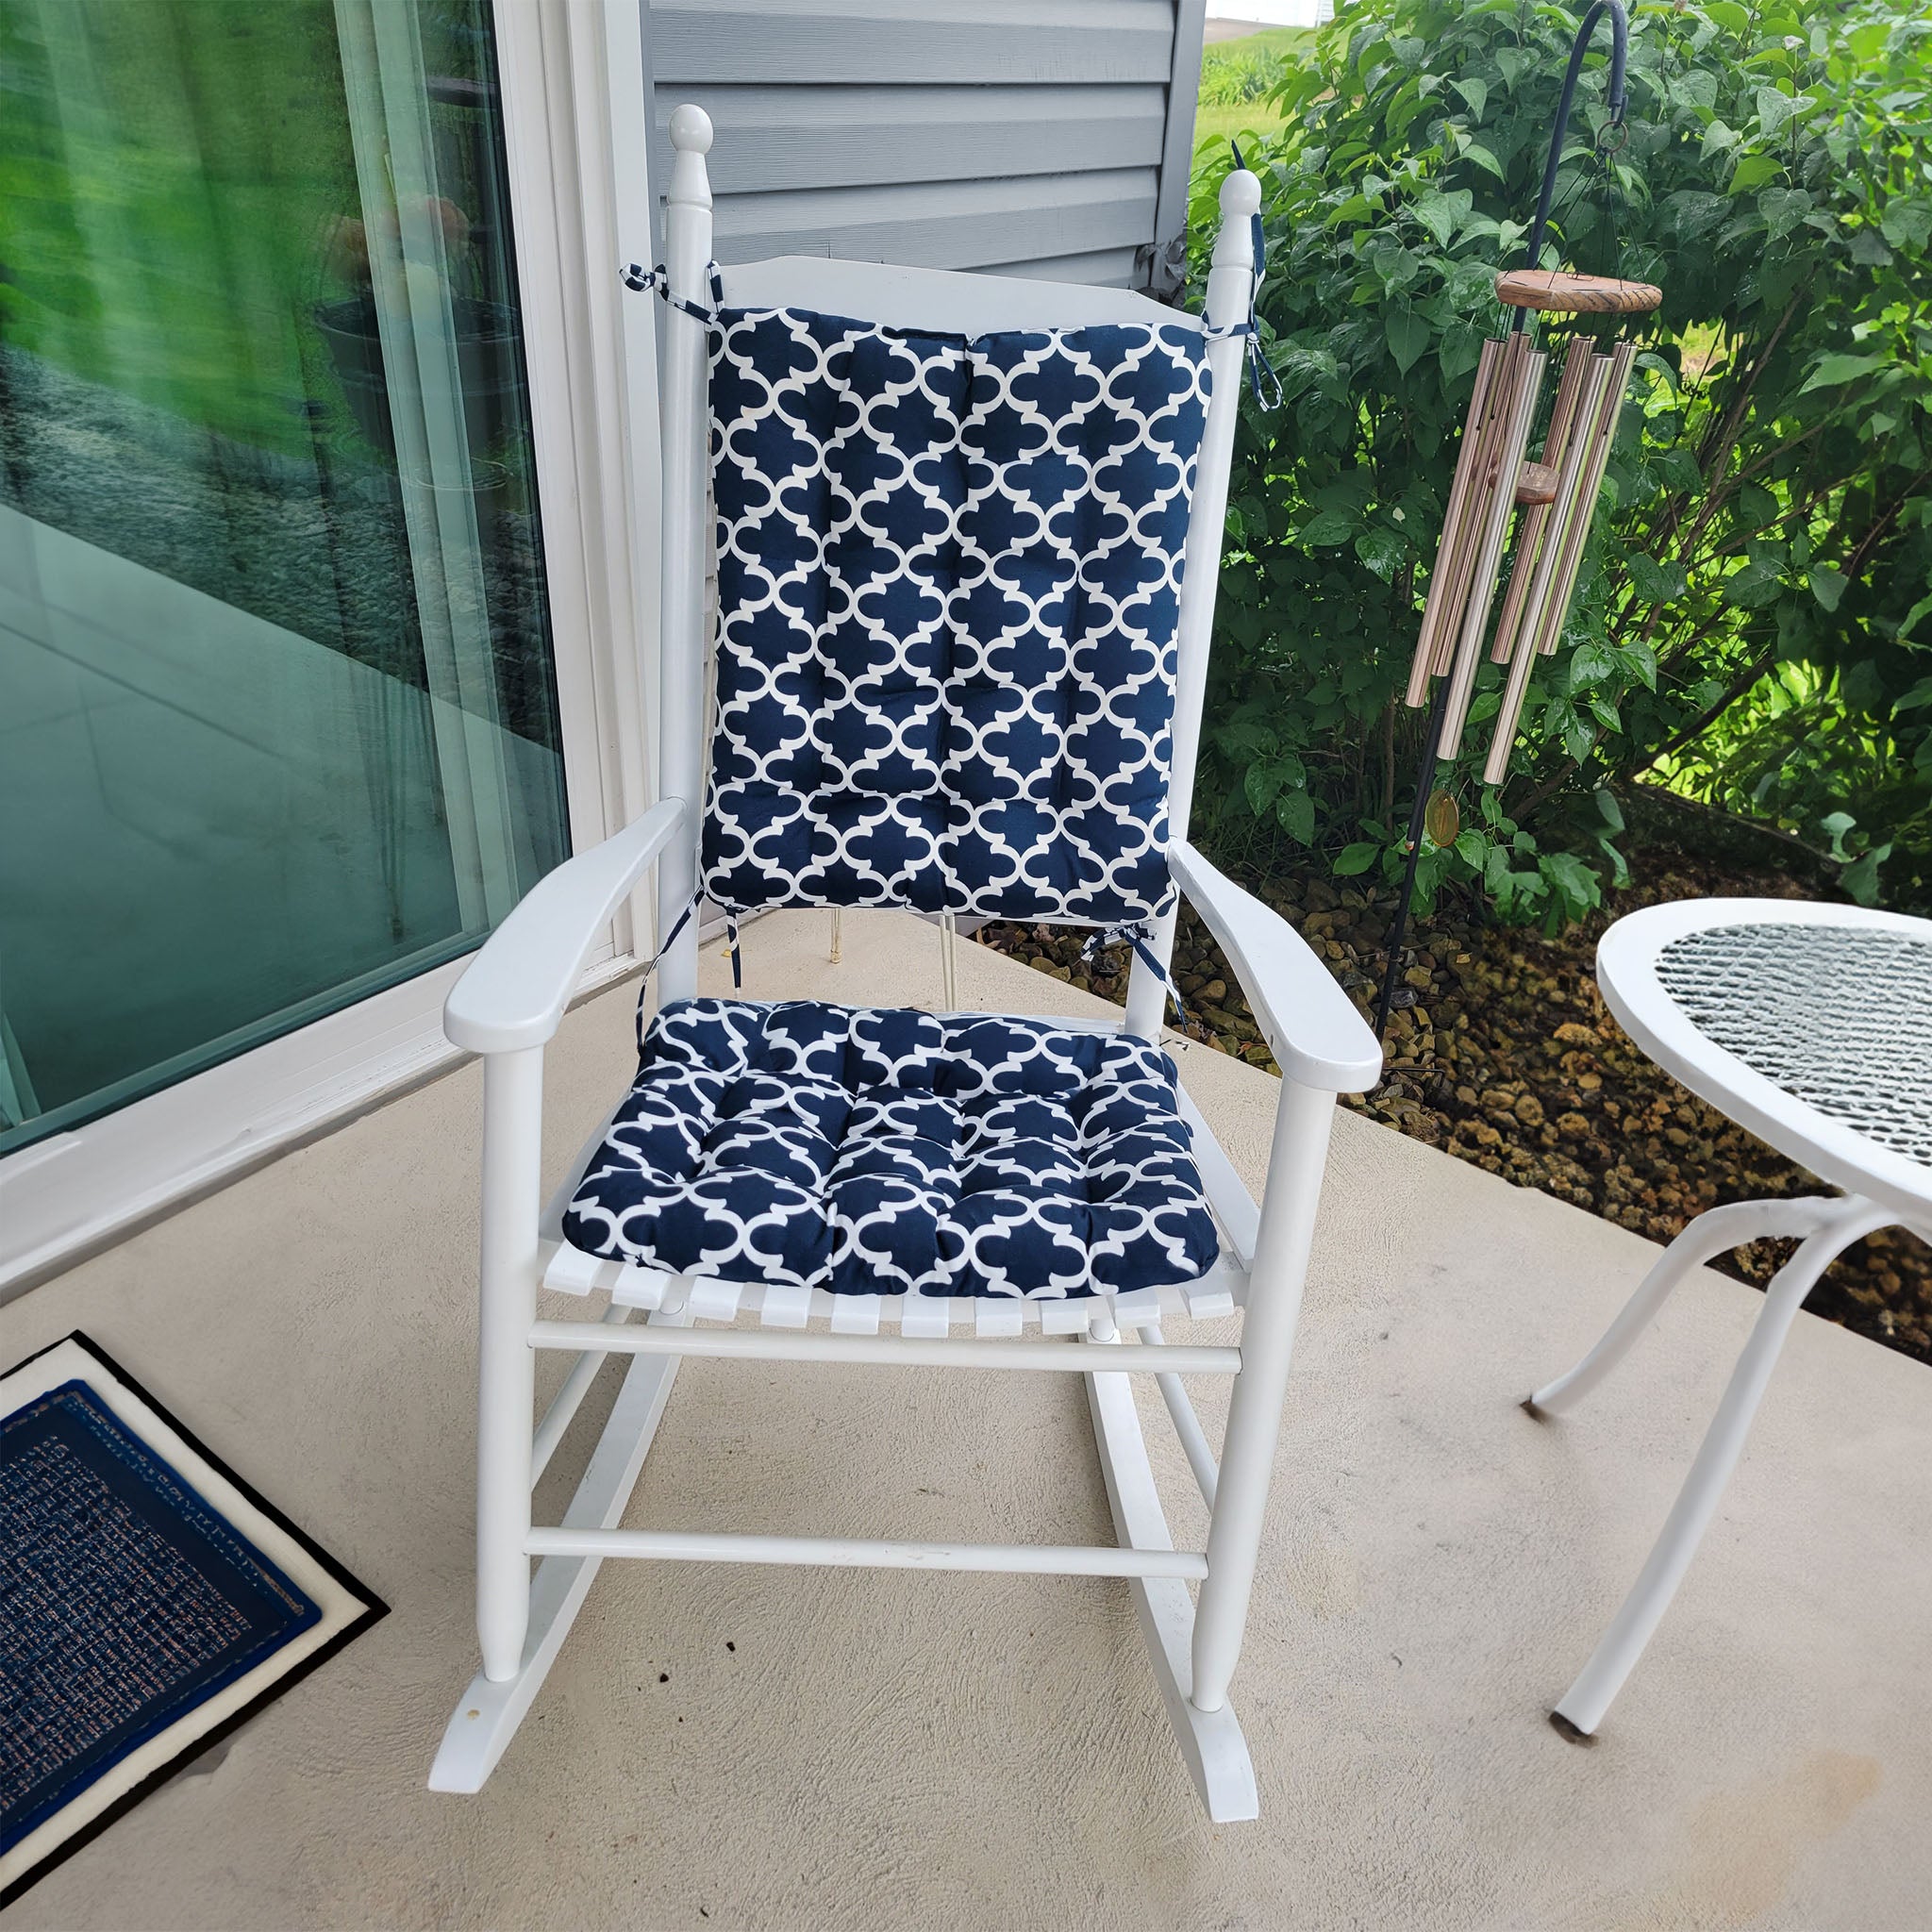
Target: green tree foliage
(1754, 624)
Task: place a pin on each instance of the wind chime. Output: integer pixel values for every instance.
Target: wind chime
(1557, 495)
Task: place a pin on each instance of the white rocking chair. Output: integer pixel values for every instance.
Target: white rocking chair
(966, 1202)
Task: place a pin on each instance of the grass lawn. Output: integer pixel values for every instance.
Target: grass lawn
(1237, 78)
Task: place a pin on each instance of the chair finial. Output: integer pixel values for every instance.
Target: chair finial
(691, 130)
(1240, 194)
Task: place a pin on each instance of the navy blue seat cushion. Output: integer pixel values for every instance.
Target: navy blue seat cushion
(949, 577)
(887, 1151)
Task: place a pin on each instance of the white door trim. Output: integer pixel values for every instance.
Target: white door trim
(575, 117)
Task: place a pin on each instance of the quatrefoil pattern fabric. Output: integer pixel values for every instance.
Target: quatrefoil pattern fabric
(888, 1151)
(949, 575)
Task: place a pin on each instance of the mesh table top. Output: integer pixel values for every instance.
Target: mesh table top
(1839, 1016)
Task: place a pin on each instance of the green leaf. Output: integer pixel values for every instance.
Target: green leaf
(1656, 583)
(1295, 811)
(1474, 151)
(1827, 584)
(1832, 369)
(1261, 783)
(1476, 91)
(1434, 212)
(1355, 858)
(1409, 337)
(1383, 552)
(1774, 111)
(1919, 696)
(1860, 878)
(1727, 13)
(1608, 808)
(1589, 664)
(1754, 587)
(1329, 526)
(1908, 225)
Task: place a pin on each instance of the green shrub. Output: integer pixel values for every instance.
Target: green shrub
(1753, 620)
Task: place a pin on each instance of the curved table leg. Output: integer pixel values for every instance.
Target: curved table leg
(1711, 1234)
(1584, 1704)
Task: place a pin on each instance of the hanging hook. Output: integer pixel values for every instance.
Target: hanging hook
(1620, 46)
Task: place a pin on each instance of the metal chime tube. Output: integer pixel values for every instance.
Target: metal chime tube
(1535, 519)
(1435, 611)
(1621, 358)
(1528, 372)
(1569, 483)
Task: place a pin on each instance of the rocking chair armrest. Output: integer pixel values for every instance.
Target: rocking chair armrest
(1310, 1024)
(513, 993)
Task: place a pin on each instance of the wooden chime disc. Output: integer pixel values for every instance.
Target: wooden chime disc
(1558, 294)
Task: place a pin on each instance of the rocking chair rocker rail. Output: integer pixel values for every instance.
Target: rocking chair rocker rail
(512, 999)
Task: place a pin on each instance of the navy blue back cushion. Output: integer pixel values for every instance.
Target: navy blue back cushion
(949, 576)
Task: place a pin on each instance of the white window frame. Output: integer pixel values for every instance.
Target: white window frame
(575, 117)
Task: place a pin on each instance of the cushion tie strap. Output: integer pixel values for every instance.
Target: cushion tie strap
(639, 279)
(677, 925)
(737, 961)
(1137, 936)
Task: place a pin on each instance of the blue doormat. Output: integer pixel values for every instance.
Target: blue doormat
(150, 1602)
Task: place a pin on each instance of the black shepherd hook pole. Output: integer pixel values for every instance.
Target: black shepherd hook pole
(1432, 736)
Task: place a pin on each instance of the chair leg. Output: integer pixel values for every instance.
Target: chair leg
(481, 1727)
(1295, 1166)
(1211, 1741)
(512, 1166)
(1710, 1235)
(1584, 1704)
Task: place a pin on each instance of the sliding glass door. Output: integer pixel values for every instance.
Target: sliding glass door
(277, 712)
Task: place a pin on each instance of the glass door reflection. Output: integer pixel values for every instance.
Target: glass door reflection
(277, 722)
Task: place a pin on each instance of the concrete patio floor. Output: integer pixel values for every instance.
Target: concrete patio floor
(752, 1747)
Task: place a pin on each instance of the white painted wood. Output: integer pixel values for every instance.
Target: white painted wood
(514, 991)
(569, 1399)
(1210, 1741)
(879, 1351)
(487, 1717)
(510, 1269)
(1303, 1120)
(686, 490)
(1311, 1027)
(855, 1314)
(1194, 1654)
(1186, 1426)
(998, 1317)
(855, 1553)
(710, 1300)
(1230, 304)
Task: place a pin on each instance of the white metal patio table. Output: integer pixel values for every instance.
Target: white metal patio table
(1811, 1027)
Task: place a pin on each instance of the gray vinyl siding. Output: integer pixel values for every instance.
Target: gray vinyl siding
(1040, 136)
